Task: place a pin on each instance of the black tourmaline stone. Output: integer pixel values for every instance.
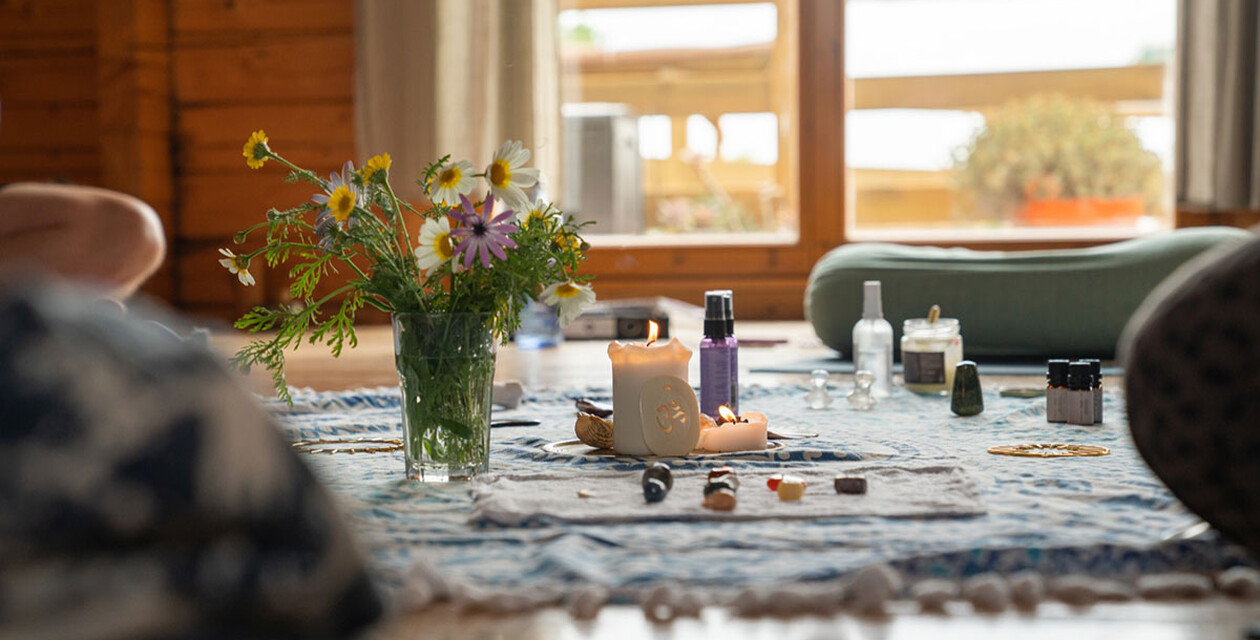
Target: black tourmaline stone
(660, 471)
(966, 400)
(654, 490)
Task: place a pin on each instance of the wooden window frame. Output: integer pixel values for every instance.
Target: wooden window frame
(769, 279)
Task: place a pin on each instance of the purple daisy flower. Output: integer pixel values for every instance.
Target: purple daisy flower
(482, 233)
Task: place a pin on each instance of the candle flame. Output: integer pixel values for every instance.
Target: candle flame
(727, 415)
(654, 331)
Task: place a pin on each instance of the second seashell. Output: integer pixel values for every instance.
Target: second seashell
(594, 431)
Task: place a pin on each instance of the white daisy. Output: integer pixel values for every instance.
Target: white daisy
(572, 299)
(508, 176)
(538, 211)
(436, 244)
(451, 181)
(238, 265)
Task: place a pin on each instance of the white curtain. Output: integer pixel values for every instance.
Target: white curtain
(459, 77)
(1218, 154)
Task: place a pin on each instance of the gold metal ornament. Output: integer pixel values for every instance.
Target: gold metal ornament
(355, 445)
(1050, 450)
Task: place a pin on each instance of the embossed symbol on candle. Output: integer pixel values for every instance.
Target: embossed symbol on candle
(670, 413)
(677, 416)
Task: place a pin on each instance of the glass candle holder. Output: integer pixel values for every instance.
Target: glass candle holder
(929, 353)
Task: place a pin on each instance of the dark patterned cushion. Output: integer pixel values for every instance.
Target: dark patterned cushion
(1192, 376)
(143, 493)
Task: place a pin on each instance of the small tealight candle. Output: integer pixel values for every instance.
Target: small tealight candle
(744, 432)
(632, 366)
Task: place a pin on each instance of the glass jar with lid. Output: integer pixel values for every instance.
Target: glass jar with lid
(929, 353)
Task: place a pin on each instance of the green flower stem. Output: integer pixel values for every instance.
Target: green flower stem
(398, 219)
(310, 176)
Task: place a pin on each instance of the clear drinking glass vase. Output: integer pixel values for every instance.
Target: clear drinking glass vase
(446, 377)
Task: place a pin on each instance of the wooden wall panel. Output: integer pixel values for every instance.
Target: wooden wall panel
(291, 70)
(316, 136)
(284, 66)
(218, 18)
(43, 26)
(48, 119)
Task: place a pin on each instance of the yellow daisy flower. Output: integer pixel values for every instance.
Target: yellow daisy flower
(377, 163)
(508, 176)
(436, 244)
(341, 203)
(256, 150)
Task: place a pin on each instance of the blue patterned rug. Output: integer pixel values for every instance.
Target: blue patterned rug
(1104, 516)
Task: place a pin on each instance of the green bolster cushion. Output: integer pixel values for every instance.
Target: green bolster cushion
(1069, 303)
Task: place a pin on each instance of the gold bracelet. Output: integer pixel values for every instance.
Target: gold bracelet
(377, 445)
(1050, 450)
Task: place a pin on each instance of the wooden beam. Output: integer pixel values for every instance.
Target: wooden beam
(134, 112)
(822, 169)
(977, 91)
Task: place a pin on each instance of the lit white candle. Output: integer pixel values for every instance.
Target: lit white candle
(745, 432)
(632, 366)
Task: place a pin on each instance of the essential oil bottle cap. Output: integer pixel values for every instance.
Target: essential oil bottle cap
(1079, 376)
(714, 314)
(1095, 371)
(728, 310)
(1057, 373)
(872, 300)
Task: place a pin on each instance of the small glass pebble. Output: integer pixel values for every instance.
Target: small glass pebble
(818, 397)
(861, 398)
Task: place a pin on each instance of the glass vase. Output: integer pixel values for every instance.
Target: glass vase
(446, 377)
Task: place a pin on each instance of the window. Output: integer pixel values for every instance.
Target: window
(898, 127)
(977, 118)
(678, 120)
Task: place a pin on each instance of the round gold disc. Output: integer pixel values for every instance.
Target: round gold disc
(349, 445)
(1054, 450)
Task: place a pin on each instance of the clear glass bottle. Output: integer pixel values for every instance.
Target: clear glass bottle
(540, 327)
(873, 340)
(929, 353)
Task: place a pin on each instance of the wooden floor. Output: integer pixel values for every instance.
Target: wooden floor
(586, 362)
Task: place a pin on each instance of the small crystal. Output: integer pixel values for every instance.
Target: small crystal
(861, 397)
(729, 483)
(720, 500)
(818, 398)
(726, 474)
(791, 489)
(850, 485)
(773, 481)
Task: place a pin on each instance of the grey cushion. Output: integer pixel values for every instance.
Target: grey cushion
(1062, 303)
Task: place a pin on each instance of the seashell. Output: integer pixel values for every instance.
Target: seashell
(594, 431)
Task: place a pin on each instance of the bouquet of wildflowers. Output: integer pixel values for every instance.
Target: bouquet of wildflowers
(491, 255)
